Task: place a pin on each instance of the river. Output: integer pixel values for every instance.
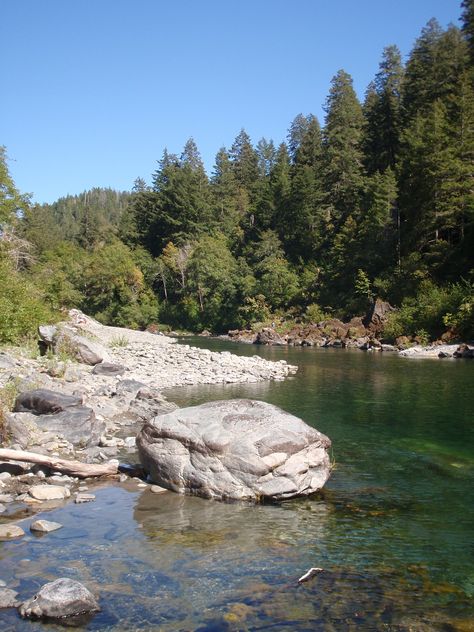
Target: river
(393, 529)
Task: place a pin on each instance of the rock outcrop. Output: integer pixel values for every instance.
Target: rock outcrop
(235, 449)
(376, 317)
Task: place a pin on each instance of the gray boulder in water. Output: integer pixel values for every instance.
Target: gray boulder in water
(61, 598)
(234, 449)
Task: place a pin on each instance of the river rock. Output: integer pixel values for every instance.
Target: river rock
(268, 336)
(84, 498)
(49, 492)
(79, 347)
(10, 531)
(42, 401)
(61, 598)
(78, 425)
(21, 428)
(7, 361)
(45, 526)
(431, 351)
(108, 369)
(8, 598)
(464, 351)
(235, 449)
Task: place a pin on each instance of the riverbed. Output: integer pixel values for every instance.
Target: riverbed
(393, 529)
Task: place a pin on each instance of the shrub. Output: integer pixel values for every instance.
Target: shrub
(22, 307)
(432, 310)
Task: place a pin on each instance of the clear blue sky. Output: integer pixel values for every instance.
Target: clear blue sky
(93, 90)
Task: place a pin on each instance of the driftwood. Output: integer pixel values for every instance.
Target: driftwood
(74, 468)
(309, 574)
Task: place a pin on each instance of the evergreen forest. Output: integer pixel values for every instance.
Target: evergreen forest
(377, 200)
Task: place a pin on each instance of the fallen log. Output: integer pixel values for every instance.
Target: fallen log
(73, 468)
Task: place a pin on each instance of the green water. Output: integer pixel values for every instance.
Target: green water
(393, 529)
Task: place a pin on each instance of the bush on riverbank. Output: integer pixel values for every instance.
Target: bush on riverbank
(22, 305)
(433, 310)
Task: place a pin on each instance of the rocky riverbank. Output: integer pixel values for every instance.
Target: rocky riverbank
(364, 333)
(91, 410)
(74, 412)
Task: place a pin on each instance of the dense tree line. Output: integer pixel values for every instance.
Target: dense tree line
(377, 201)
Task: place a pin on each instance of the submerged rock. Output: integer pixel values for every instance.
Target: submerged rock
(8, 598)
(235, 449)
(61, 598)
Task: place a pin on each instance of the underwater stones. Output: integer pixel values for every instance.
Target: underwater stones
(8, 598)
(59, 599)
(235, 449)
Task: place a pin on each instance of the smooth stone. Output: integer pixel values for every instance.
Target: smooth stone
(49, 492)
(108, 369)
(156, 489)
(62, 598)
(84, 498)
(10, 531)
(45, 526)
(8, 598)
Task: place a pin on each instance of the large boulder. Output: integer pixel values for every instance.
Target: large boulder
(377, 315)
(77, 424)
(59, 599)
(64, 339)
(234, 449)
(81, 348)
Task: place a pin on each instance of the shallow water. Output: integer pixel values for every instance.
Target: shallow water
(393, 529)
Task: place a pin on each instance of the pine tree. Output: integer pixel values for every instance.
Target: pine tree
(467, 19)
(225, 195)
(296, 133)
(342, 137)
(382, 113)
(244, 161)
(302, 223)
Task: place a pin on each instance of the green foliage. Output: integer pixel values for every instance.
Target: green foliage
(254, 310)
(432, 309)
(9, 392)
(363, 286)
(119, 341)
(315, 314)
(22, 307)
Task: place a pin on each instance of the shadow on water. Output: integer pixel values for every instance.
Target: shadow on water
(392, 529)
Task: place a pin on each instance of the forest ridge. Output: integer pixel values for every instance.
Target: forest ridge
(379, 201)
